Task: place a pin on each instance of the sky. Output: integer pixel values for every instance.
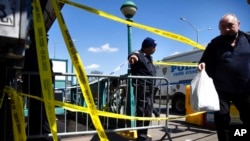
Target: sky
(103, 43)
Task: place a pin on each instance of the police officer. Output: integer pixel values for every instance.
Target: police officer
(142, 65)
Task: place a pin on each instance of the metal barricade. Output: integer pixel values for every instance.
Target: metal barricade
(110, 94)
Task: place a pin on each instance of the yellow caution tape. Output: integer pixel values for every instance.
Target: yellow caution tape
(76, 108)
(80, 73)
(157, 31)
(44, 66)
(176, 63)
(18, 121)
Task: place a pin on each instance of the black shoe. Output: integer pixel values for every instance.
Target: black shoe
(144, 139)
(157, 114)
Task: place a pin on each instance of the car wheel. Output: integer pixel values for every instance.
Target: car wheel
(178, 105)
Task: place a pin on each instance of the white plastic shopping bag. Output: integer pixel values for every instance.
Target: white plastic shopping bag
(204, 96)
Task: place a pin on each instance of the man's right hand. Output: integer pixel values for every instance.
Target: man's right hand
(201, 66)
(132, 59)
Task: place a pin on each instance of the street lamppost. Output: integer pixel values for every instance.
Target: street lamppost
(55, 48)
(129, 9)
(196, 30)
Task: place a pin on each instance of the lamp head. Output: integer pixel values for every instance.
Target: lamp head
(128, 9)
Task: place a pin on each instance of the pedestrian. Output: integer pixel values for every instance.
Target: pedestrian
(141, 63)
(226, 60)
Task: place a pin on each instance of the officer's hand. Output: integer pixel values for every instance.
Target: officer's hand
(132, 59)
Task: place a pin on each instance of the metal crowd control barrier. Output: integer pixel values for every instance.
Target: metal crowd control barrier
(110, 94)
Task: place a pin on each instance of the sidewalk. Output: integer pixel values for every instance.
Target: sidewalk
(179, 131)
(182, 131)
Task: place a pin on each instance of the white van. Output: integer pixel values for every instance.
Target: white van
(178, 77)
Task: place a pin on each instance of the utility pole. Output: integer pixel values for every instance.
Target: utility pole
(196, 30)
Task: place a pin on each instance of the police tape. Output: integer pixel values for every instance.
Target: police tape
(157, 31)
(148, 28)
(77, 108)
(17, 114)
(80, 73)
(46, 79)
(163, 63)
(44, 66)
(153, 30)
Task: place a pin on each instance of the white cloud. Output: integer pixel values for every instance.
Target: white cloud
(175, 53)
(93, 66)
(104, 48)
